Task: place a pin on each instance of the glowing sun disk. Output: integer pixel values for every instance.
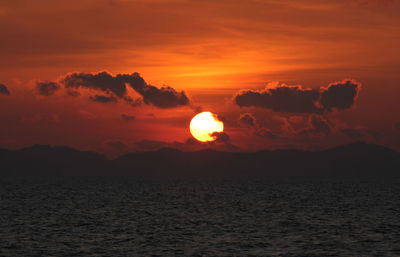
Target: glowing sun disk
(203, 125)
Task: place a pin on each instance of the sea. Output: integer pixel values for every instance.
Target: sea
(126, 216)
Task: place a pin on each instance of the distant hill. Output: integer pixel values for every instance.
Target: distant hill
(48, 160)
(356, 159)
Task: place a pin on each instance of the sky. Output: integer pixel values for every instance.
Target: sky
(117, 76)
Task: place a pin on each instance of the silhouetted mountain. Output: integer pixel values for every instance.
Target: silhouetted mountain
(44, 159)
(356, 159)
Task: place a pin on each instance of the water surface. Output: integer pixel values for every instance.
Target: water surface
(137, 217)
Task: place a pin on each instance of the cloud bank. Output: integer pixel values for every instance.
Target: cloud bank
(297, 100)
(115, 87)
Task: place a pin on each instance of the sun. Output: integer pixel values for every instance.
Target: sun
(204, 124)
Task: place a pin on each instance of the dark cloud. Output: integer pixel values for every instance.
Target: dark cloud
(295, 99)
(127, 117)
(340, 95)
(101, 81)
(283, 98)
(352, 133)
(116, 87)
(266, 133)
(103, 99)
(47, 88)
(220, 137)
(4, 90)
(247, 119)
(397, 126)
(164, 97)
(222, 142)
(134, 80)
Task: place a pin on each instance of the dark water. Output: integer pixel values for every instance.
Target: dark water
(130, 217)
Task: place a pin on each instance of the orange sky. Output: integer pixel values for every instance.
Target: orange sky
(209, 49)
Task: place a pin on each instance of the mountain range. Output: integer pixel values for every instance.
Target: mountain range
(358, 159)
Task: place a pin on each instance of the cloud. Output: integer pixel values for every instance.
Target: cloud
(47, 88)
(282, 98)
(220, 137)
(222, 142)
(103, 99)
(4, 90)
(397, 126)
(127, 117)
(101, 81)
(164, 97)
(340, 95)
(296, 99)
(134, 80)
(247, 119)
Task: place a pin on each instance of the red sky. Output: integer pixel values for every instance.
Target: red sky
(212, 50)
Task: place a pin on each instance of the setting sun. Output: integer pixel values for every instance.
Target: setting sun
(204, 124)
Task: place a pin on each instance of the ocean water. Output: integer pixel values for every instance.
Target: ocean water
(138, 217)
